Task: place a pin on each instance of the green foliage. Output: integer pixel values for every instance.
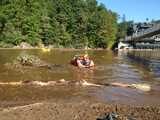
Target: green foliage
(5, 45)
(125, 28)
(62, 23)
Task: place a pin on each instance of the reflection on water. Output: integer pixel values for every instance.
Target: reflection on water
(150, 61)
(110, 67)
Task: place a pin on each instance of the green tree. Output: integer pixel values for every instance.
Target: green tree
(62, 23)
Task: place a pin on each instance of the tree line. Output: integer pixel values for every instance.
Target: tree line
(61, 23)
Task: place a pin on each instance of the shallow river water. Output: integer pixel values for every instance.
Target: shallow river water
(133, 67)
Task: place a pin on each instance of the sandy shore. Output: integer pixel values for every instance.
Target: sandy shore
(83, 110)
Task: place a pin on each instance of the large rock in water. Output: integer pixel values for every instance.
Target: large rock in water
(24, 45)
(29, 60)
(25, 60)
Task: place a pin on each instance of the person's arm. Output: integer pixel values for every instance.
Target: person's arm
(91, 63)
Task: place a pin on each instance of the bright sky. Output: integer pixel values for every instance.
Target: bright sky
(137, 10)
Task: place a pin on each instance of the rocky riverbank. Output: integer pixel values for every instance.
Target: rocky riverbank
(84, 110)
(25, 45)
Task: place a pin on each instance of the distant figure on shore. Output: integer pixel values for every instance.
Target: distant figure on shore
(82, 61)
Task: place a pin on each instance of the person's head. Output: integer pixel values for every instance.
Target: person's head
(86, 56)
(79, 57)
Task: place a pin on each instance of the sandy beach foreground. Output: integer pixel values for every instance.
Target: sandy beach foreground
(83, 110)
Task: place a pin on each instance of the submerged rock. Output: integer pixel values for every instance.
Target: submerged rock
(29, 60)
(26, 60)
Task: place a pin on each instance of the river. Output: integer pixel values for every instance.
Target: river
(125, 67)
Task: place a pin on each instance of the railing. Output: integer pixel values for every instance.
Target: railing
(147, 46)
(143, 33)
